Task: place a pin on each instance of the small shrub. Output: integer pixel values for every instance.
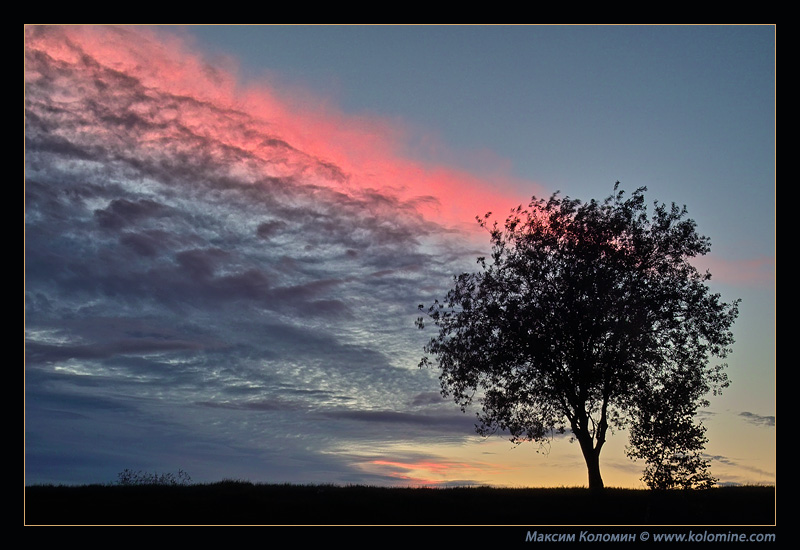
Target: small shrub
(128, 477)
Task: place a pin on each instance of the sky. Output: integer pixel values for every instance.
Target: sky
(228, 230)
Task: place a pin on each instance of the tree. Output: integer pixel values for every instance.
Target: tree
(667, 437)
(587, 317)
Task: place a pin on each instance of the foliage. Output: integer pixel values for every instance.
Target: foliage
(582, 311)
(667, 437)
(129, 477)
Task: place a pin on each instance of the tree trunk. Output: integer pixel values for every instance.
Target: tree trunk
(592, 458)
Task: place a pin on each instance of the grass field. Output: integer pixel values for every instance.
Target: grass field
(244, 503)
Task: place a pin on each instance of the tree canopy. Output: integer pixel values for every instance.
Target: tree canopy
(588, 317)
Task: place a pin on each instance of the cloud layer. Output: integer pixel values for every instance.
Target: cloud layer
(214, 280)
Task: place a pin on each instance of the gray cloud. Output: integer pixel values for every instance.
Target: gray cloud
(185, 309)
(758, 419)
(123, 212)
(448, 423)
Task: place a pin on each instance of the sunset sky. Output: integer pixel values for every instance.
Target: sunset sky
(228, 231)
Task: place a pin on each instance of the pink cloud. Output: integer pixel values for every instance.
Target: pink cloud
(429, 472)
(745, 272)
(258, 134)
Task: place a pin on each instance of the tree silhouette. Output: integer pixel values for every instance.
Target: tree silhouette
(588, 317)
(667, 437)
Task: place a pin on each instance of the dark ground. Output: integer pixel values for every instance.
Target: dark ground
(241, 503)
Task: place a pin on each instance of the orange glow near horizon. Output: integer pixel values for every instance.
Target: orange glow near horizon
(430, 473)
